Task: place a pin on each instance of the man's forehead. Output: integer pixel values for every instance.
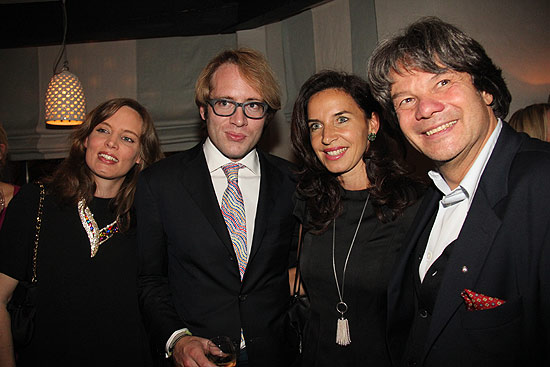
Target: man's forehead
(224, 71)
(405, 69)
(230, 75)
(396, 73)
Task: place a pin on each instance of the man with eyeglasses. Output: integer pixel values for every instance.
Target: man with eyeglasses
(215, 226)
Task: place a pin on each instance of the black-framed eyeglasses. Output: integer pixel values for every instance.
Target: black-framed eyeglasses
(251, 109)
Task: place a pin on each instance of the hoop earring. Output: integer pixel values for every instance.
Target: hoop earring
(371, 137)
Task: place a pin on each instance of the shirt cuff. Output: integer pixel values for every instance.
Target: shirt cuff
(176, 335)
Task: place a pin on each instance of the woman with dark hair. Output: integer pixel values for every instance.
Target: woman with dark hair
(356, 202)
(87, 310)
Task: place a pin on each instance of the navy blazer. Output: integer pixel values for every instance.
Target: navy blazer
(189, 276)
(503, 251)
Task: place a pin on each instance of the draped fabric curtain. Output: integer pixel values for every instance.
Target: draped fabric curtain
(161, 74)
(339, 34)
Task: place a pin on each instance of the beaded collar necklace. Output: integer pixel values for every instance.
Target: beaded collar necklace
(97, 236)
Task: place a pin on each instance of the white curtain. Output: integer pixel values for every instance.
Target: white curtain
(161, 74)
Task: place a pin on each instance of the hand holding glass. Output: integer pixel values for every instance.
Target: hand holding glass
(221, 351)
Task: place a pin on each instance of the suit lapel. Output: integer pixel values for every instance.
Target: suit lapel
(477, 235)
(399, 310)
(270, 182)
(465, 263)
(425, 212)
(196, 179)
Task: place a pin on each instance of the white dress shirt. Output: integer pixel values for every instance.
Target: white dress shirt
(455, 204)
(249, 182)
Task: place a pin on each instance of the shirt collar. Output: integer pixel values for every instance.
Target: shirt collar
(470, 182)
(215, 159)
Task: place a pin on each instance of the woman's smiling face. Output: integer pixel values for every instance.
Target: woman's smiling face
(113, 147)
(339, 133)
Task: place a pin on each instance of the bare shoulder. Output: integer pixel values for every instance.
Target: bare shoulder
(7, 286)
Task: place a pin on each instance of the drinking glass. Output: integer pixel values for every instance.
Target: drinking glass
(222, 352)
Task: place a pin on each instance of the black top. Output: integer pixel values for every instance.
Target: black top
(368, 271)
(87, 308)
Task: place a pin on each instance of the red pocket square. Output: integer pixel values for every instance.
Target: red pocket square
(477, 301)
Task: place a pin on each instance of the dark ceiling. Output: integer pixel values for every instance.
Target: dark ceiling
(40, 23)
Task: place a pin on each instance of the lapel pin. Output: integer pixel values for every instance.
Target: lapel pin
(464, 269)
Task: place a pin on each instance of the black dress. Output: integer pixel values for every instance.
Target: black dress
(368, 271)
(87, 308)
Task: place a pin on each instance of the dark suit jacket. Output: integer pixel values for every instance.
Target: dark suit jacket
(505, 246)
(189, 275)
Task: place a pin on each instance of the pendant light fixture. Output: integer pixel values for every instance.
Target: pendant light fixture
(65, 101)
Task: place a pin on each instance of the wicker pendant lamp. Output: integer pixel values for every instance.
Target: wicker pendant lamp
(65, 101)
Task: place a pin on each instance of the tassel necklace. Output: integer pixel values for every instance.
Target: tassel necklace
(96, 236)
(342, 327)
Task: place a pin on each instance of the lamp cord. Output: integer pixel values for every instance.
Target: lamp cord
(62, 52)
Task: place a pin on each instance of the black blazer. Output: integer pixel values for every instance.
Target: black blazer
(503, 251)
(188, 274)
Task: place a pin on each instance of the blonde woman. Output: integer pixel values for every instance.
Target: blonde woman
(533, 120)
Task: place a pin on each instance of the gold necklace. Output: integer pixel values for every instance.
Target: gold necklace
(96, 236)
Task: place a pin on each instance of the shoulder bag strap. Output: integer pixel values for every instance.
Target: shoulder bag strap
(34, 278)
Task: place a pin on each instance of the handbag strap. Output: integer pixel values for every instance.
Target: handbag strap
(34, 278)
(297, 277)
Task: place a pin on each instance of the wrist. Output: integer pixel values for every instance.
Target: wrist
(171, 344)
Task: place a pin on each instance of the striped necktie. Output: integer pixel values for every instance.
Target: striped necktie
(233, 213)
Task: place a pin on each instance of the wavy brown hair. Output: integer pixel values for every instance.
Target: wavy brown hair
(392, 188)
(73, 179)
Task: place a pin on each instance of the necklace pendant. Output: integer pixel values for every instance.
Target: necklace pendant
(342, 332)
(342, 327)
(96, 235)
